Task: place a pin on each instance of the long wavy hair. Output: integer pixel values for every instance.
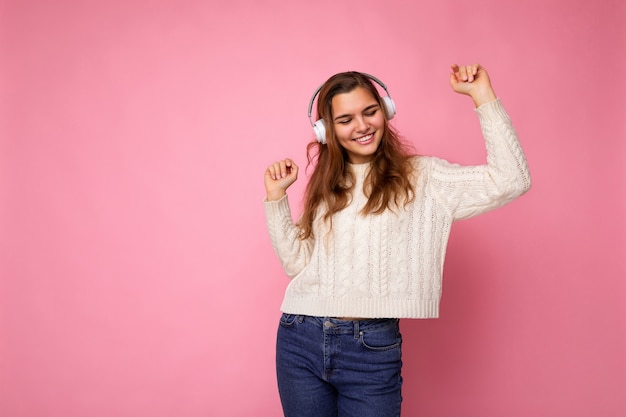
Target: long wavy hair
(389, 181)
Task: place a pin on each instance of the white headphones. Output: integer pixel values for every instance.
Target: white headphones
(319, 127)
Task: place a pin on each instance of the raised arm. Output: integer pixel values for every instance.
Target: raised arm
(471, 190)
(293, 253)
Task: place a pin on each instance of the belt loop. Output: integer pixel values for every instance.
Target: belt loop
(356, 329)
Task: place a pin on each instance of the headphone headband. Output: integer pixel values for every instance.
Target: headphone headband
(319, 127)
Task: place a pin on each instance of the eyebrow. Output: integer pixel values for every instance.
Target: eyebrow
(370, 107)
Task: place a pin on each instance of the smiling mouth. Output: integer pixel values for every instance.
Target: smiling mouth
(364, 139)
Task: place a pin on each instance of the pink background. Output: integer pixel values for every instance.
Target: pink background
(137, 278)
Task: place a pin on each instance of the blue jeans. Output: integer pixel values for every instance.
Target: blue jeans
(329, 367)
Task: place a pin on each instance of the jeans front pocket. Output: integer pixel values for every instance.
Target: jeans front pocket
(288, 320)
(381, 339)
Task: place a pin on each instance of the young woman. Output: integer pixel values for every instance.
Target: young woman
(368, 248)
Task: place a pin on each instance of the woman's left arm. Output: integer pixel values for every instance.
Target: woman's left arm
(469, 191)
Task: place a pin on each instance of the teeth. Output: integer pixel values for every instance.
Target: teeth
(364, 138)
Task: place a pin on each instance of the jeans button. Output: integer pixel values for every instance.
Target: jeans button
(327, 323)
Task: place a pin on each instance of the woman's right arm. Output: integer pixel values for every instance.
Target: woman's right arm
(293, 253)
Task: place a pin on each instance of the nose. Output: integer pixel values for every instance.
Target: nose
(361, 124)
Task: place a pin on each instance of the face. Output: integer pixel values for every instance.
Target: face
(359, 124)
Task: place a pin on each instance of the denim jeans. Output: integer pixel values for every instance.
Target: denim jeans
(329, 367)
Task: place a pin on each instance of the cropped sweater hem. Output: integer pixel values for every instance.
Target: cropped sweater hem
(361, 307)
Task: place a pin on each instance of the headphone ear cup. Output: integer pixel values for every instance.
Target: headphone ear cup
(390, 107)
(319, 128)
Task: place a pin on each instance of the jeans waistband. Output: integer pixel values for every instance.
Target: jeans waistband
(336, 325)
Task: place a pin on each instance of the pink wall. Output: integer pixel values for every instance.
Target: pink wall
(136, 276)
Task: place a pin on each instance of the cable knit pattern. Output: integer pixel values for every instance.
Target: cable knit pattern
(391, 265)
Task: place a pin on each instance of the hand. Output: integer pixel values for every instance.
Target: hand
(472, 80)
(278, 177)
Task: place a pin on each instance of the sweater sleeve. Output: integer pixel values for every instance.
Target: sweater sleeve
(468, 191)
(293, 253)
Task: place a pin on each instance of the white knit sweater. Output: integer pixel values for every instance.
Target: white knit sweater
(391, 265)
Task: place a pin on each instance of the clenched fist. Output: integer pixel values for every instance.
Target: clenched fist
(278, 177)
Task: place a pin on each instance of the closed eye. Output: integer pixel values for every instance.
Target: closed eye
(369, 111)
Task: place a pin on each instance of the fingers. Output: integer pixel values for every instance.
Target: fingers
(465, 73)
(278, 178)
(473, 81)
(282, 169)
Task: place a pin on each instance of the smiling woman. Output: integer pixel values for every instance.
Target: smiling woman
(369, 199)
(390, 160)
(359, 124)
(136, 274)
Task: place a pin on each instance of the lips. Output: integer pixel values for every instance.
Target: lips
(364, 139)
